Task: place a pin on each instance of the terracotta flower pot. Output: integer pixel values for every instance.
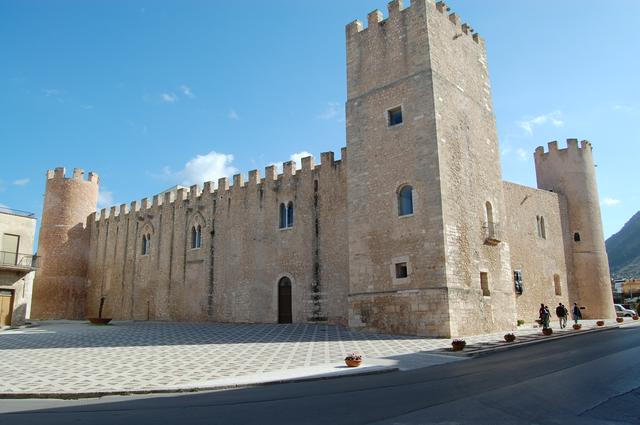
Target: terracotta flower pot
(509, 337)
(458, 345)
(353, 363)
(577, 326)
(547, 331)
(635, 317)
(619, 319)
(99, 320)
(600, 323)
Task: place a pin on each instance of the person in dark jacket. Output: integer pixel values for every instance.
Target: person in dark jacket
(576, 313)
(561, 312)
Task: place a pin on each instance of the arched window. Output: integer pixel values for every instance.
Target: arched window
(283, 216)
(489, 210)
(196, 236)
(146, 244)
(286, 215)
(405, 200)
(290, 214)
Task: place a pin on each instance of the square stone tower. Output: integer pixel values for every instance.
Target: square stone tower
(425, 200)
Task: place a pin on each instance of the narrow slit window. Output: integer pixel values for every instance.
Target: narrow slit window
(576, 237)
(395, 116)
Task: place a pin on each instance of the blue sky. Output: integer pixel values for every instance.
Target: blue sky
(150, 94)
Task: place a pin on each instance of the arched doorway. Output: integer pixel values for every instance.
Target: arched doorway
(284, 301)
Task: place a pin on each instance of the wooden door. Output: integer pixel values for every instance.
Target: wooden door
(6, 307)
(284, 301)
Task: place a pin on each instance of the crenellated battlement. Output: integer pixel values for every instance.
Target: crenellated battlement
(78, 174)
(572, 147)
(196, 194)
(377, 22)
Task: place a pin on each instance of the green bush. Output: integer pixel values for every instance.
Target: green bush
(520, 322)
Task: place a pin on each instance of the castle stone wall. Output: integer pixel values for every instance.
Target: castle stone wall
(60, 283)
(233, 276)
(571, 172)
(470, 177)
(539, 259)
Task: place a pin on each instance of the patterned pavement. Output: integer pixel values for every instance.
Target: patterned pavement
(75, 357)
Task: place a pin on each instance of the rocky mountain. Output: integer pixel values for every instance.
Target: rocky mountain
(623, 250)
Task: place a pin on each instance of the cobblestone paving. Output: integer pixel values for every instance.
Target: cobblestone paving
(58, 357)
(76, 357)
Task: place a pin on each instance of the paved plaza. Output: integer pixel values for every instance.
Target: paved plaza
(75, 357)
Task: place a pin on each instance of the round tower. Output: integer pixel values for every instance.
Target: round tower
(571, 173)
(63, 245)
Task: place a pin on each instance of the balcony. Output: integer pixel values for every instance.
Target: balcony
(17, 261)
(492, 232)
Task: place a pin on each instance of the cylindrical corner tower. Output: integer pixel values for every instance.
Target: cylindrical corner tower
(571, 173)
(63, 245)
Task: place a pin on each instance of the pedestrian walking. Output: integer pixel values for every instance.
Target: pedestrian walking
(576, 313)
(543, 313)
(561, 313)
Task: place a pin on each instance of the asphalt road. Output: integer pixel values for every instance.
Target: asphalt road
(587, 379)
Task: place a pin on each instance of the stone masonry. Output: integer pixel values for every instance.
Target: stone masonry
(419, 114)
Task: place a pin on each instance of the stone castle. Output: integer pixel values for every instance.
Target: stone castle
(412, 231)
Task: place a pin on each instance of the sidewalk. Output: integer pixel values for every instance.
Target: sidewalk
(74, 359)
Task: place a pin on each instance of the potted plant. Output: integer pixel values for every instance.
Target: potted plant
(458, 344)
(577, 326)
(509, 337)
(100, 320)
(619, 319)
(353, 360)
(600, 323)
(547, 331)
(635, 317)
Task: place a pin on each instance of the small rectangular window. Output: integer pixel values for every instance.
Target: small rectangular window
(395, 116)
(484, 283)
(401, 270)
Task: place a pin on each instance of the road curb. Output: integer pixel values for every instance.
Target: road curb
(514, 345)
(178, 390)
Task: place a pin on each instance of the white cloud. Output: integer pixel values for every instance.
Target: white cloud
(21, 182)
(4, 206)
(297, 157)
(87, 107)
(611, 201)
(186, 90)
(53, 92)
(554, 118)
(203, 168)
(168, 97)
(331, 111)
(233, 115)
(522, 154)
(105, 198)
